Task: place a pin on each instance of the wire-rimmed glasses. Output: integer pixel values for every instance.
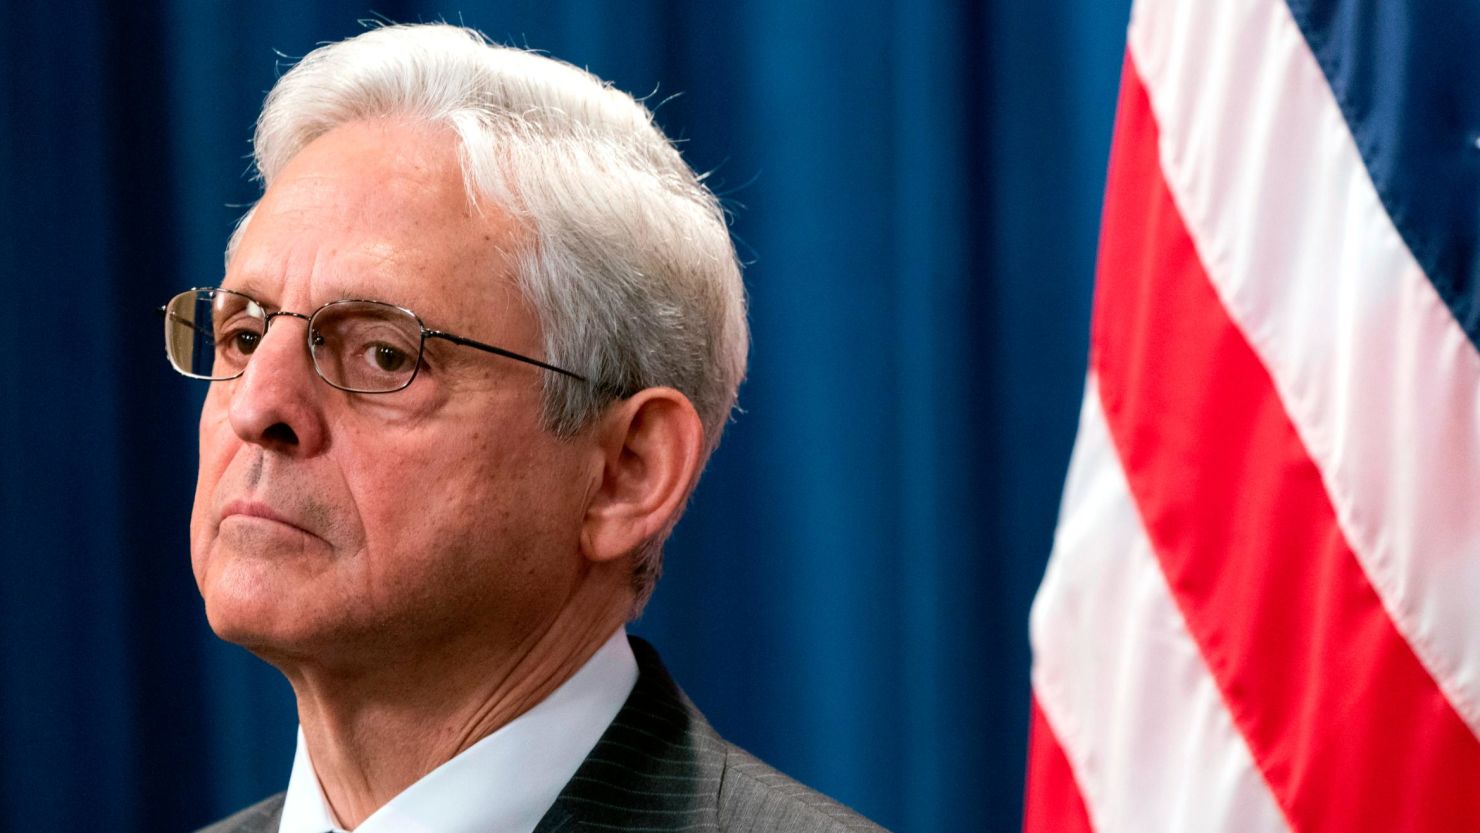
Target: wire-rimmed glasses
(357, 345)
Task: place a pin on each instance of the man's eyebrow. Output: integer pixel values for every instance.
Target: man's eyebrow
(247, 287)
(254, 288)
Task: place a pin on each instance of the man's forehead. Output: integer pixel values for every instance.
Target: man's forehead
(304, 277)
(393, 175)
(374, 210)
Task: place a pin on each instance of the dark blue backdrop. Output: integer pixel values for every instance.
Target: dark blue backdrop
(916, 187)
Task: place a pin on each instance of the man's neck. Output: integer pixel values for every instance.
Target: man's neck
(373, 734)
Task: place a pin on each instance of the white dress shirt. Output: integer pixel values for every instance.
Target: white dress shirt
(504, 782)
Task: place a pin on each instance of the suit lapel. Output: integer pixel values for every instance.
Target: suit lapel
(657, 767)
(262, 817)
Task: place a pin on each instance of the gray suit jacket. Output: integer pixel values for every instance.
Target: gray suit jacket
(659, 767)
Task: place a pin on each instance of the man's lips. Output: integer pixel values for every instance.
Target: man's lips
(254, 509)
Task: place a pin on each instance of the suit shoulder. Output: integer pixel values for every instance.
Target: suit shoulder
(756, 798)
(262, 817)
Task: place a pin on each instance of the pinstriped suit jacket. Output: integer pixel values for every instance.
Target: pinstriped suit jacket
(659, 767)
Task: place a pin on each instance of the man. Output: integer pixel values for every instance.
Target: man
(472, 349)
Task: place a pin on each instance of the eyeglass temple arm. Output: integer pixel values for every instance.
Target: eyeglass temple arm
(499, 351)
(165, 313)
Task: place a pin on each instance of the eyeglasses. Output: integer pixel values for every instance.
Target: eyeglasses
(357, 346)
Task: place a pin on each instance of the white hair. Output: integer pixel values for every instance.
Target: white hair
(630, 268)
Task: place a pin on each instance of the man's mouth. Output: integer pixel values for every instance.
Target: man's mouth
(256, 510)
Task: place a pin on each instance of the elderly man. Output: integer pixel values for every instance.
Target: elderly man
(472, 349)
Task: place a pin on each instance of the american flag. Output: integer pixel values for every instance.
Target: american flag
(1262, 611)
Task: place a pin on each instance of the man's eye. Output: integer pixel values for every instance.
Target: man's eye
(242, 341)
(386, 358)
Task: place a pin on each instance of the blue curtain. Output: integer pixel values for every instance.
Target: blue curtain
(916, 188)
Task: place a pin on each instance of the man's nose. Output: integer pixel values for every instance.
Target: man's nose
(278, 402)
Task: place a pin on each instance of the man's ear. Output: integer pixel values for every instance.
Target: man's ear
(650, 446)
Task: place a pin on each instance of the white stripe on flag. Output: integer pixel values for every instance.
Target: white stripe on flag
(1118, 677)
(1379, 380)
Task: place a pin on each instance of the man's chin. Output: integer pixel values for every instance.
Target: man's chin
(253, 623)
(286, 626)
(257, 605)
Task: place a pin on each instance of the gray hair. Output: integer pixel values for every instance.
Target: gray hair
(631, 270)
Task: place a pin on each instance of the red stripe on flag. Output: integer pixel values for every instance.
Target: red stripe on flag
(1349, 730)
(1053, 803)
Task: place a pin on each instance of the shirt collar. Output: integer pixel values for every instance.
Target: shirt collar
(506, 781)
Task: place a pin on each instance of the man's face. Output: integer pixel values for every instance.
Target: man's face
(338, 527)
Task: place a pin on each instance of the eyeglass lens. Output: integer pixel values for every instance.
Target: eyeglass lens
(361, 346)
(365, 346)
(196, 325)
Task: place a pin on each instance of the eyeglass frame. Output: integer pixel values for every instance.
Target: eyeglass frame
(426, 332)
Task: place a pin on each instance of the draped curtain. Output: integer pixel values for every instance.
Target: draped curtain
(915, 189)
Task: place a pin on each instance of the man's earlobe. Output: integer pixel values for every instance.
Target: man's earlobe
(651, 446)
